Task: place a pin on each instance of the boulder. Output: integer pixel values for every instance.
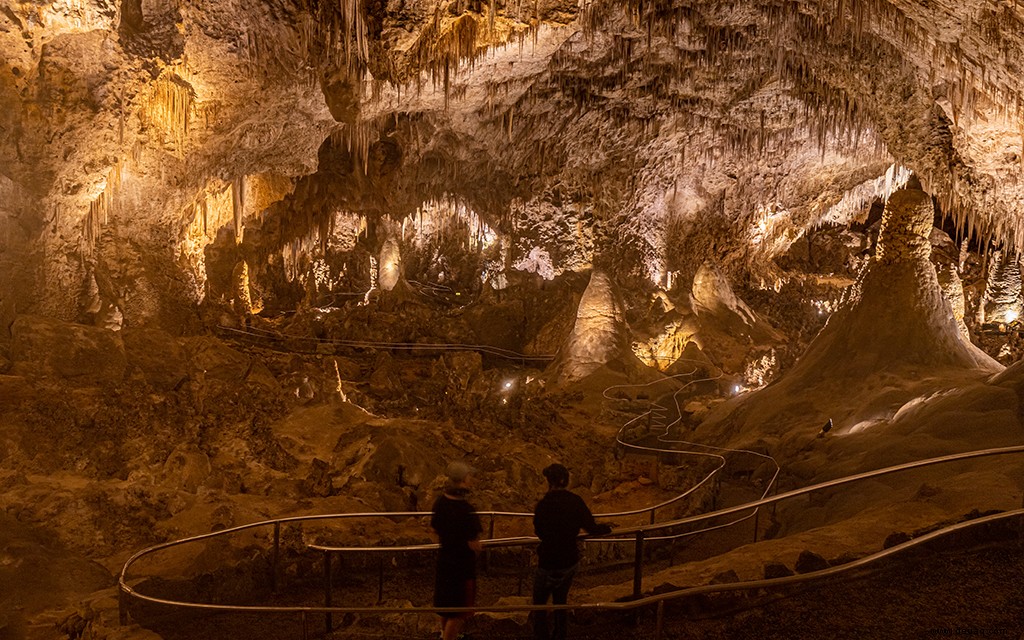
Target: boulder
(774, 570)
(726, 577)
(318, 480)
(157, 355)
(217, 371)
(187, 469)
(808, 562)
(42, 347)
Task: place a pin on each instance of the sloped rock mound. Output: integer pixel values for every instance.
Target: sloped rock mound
(894, 338)
(896, 315)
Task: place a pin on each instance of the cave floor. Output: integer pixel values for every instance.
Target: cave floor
(968, 589)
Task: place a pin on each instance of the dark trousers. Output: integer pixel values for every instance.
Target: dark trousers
(554, 584)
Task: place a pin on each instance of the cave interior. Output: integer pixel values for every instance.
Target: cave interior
(293, 257)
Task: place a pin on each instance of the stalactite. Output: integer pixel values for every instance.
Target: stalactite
(170, 108)
(99, 211)
(238, 199)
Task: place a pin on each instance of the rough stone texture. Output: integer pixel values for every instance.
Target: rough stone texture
(896, 313)
(157, 355)
(43, 347)
(169, 166)
(138, 135)
(809, 561)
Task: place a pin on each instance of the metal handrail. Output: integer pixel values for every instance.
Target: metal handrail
(126, 590)
(370, 344)
(630, 604)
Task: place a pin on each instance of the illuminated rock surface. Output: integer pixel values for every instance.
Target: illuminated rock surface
(235, 239)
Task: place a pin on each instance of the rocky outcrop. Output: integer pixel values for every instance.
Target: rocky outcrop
(895, 317)
(156, 356)
(42, 347)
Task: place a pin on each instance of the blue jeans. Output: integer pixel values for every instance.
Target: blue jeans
(554, 584)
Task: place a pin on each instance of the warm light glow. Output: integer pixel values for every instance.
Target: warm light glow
(824, 307)
(390, 260)
(1012, 315)
(662, 350)
(537, 261)
(761, 371)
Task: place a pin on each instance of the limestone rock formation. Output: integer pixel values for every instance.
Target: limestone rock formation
(42, 347)
(599, 339)
(893, 338)
(284, 256)
(895, 317)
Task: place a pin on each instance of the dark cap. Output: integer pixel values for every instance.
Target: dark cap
(557, 475)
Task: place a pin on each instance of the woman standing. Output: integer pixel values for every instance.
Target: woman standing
(458, 529)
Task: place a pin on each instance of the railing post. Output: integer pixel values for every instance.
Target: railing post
(775, 492)
(122, 605)
(327, 590)
(487, 551)
(757, 518)
(274, 556)
(305, 627)
(526, 567)
(652, 516)
(638, 563)
(659, 620)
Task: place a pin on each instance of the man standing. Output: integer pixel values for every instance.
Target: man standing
(557, 521)
(458, 529)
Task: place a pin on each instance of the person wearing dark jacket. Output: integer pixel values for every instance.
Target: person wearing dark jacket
(557, 521)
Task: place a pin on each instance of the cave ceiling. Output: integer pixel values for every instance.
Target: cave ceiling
(643, 135)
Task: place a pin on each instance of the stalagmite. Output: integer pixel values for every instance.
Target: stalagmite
(1001, 302)
(599, 338)
(390, 270)
(895, 317)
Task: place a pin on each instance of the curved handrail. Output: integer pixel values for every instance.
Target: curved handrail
(406, 346)
(128, 590)
(663, 437)
(610, 606)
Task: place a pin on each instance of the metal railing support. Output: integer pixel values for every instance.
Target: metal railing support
(775, 492)
(127, 593)
(757, 520)
(490, 536)
(122, 606)
(638, 563)
(328, 622)
(274, 555)
(659, 620)
(522, 574)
